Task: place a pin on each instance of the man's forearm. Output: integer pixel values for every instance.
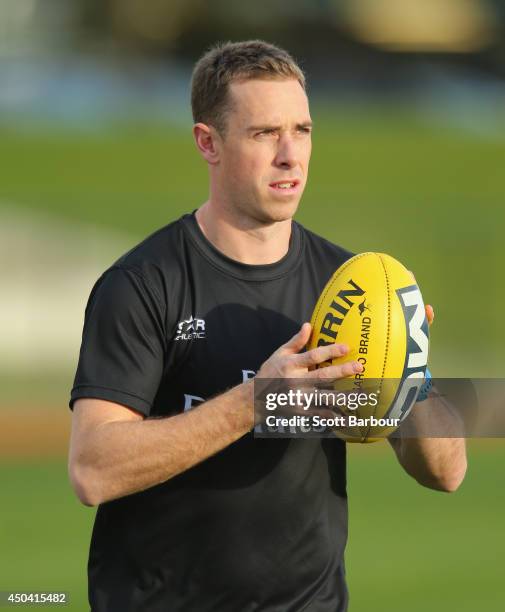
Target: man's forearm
(435, 462)
(120, 458)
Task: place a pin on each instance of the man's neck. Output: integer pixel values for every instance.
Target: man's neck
(244, 239)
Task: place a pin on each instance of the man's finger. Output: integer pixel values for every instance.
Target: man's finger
(298, 341)
(319, 355)
(332, 373)
(430, 313)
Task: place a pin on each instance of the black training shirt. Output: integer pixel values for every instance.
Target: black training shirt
(262, 525)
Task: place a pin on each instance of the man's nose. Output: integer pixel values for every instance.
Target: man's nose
(287, 156)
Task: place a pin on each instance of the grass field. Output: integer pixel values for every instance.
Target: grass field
(409, 548)
(414, 549)
(388, 181)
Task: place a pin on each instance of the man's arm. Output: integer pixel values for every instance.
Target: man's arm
(437, 463)
(115, 451)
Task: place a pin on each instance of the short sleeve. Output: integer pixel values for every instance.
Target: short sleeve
(123, 342)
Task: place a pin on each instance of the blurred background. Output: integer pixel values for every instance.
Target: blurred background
(408, 100)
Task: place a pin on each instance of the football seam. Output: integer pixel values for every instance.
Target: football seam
(386, 350)
(333, 278)
(388, 318)
(365, 439)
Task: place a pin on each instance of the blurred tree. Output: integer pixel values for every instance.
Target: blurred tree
(157, 23)
(422, 25)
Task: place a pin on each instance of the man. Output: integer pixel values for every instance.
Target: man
(194, 513)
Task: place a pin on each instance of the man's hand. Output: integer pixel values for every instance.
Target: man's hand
(288, 370)
(289, 362)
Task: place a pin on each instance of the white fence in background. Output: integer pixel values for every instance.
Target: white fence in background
(47, 269)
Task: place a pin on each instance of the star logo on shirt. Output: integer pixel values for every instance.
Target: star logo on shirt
(190, 323)
(191, 329)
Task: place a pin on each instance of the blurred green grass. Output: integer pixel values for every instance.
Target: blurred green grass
(386, 181)
(44, 531)
(409, 547)
(414, 549)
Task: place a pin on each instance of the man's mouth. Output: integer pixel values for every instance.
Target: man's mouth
(286, 186)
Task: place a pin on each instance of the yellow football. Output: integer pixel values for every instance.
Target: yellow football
(373, 304)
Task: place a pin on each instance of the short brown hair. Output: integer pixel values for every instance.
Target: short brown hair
(228, 62)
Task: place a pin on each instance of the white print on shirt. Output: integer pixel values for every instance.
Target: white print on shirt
(191, 400)
(191, 329)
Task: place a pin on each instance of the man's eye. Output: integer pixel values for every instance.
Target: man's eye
(305, 129)
(266, 132)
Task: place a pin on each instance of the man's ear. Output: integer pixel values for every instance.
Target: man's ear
(207, 141)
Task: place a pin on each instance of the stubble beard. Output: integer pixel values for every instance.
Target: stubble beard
(269, 211)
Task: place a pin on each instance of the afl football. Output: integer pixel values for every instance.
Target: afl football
(373, 304)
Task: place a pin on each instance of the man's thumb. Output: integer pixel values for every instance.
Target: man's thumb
(299, 340)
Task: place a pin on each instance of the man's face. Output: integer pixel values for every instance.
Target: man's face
(265, 152)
